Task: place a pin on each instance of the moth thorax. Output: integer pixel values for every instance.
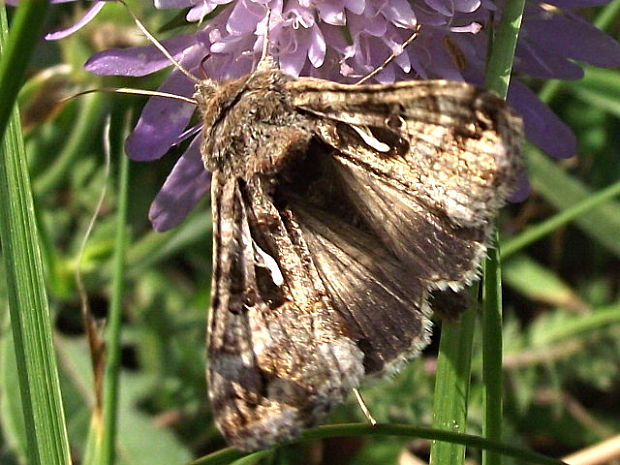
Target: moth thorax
(253, 129)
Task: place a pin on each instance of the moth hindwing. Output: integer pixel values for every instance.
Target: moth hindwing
(338, 210)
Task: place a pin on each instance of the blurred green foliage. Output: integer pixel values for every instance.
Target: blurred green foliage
(561, 303)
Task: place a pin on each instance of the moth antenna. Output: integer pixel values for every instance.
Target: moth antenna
(392, 56)
(266, 61)
(160, 46)
(130, 91)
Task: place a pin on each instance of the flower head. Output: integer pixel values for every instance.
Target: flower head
(344, 40)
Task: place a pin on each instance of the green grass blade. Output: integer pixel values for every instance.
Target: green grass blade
(545, 228)
(11, 412)
(15, 52)
(452, 386)
(30, 320)
(599, 100)
(580, 325)
(90, 115)
(228, 455)
(599, 79)
(450, 401)
(539, 283)
(155, 246)
(607, 15)
(601, 222)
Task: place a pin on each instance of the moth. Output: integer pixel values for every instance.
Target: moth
(342, 214)
(339, 213)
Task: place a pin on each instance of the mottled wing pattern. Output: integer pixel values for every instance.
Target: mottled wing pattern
(324, 266)
(278, 354)
(426, 163)
(382, 304)
(454, 146)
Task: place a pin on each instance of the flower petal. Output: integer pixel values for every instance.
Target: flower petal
(523, 190)
(574, 38)
(466, 6)
(400, 13)
(161, 121)
(318, 47)
(198, 12)
(84, 20)
(443, 7)
(293, 59)
(542, 126)
(355, 6)
(186, 184)
(539, 63)
(244, 17)
(332, 13)
(164, 4)
(140, 61)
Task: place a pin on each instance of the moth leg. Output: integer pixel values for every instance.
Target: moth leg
(364, 408)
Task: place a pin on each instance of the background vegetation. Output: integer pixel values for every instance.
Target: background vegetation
(561, 270)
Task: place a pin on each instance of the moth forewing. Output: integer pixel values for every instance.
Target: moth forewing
(455, 137)
(278, 356)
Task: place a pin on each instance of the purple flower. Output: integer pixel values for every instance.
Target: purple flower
(86, 18)
(308, 38)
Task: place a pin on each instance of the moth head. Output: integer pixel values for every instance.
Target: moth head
(204, 92)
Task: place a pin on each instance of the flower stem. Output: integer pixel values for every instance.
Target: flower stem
(502, 50)
(497, 79)
(113, 332)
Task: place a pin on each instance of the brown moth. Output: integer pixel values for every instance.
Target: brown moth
(340, 212)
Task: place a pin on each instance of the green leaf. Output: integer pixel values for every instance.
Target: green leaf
(452, 386)
(577, 326)
(601, 223)
(538, 231)
(140, 440)
(602, 100)
(30, 320)
(539, 283)
(11, 415)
